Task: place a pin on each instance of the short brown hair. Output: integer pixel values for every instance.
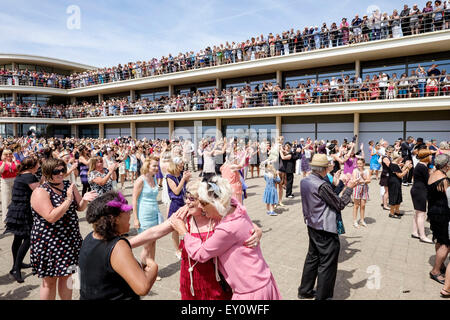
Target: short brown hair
(424, 155)
(49, 165)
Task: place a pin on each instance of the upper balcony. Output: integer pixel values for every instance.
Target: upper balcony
(438, 41)
(426, 43)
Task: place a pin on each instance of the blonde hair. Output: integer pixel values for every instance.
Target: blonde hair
(173, 168)
(270, 169)
(146, 165)
(217, 191)
(192, 187)
(93, 163)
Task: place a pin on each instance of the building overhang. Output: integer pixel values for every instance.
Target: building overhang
(375, 106)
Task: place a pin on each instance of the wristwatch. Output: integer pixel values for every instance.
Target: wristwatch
(182, 236)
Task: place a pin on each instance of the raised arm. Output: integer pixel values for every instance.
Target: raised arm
(151, 234)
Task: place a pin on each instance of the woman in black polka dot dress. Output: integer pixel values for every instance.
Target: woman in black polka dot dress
(55, 235)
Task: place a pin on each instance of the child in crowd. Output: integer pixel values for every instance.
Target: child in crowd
(360, 192)
(270, 196)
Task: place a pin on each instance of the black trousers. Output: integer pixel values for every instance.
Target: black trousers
(407, 178)
(321, 263)
(289, 183)
(19, 249)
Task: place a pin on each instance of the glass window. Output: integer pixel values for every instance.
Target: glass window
(152, 96)
(441, 65)
(206, 89)
(6, 98)
(7, 130)
(260, 83)
(389, 70)
(294, 81)
(337, 75)
(26, 98)
(27, 66)
(239, 85)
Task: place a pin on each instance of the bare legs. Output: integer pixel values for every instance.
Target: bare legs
(50, 284)
(419, 226)
(359, 205)
(441, 254)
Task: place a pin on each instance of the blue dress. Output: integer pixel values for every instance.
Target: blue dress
(176, 201)
(270, 192)
(148, 209)
(374, 164)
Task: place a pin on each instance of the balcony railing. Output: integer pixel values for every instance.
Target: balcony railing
(334, 93)
(308, 40)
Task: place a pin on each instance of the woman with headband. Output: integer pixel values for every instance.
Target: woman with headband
(245, 270)
(108, 268)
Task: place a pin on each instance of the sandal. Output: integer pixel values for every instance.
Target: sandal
(446, 294)
(435, 277)
(394, 216)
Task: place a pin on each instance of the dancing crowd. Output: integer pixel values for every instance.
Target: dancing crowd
(377, 26)
(203, 190)
(420, 83)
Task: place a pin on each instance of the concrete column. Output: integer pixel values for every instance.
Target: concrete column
(356, 129)
(219, 84)
(101, 130)
(218, 128)
(100, 97)
(132, 95)
(171, 90)
(14, 97)
(171, 129)
(358, 68)
(280, 78)
(74, 130)
(133, 129)
(15, 130)
(278, 126)
(73, 100)
(13, 66)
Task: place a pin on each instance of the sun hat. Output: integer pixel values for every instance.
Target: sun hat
(319, 160)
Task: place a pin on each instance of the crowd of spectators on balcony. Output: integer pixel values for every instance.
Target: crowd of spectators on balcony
(377, 26)
(420, 83)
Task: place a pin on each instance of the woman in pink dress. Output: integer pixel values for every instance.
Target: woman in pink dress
(230, 171)
(244, 269)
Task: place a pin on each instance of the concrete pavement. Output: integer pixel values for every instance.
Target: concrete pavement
(381, 261)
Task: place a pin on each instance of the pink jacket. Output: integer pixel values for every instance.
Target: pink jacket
(243, 268)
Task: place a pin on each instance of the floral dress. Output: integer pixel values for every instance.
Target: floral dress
(55, 247)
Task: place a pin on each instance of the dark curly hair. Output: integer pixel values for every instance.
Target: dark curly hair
(103, 217)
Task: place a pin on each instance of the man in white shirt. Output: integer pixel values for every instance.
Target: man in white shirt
(188, 154)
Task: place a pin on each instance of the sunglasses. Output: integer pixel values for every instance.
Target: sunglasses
(59, 171)
(190, 198)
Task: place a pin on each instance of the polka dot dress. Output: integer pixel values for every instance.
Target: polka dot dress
(55, 247)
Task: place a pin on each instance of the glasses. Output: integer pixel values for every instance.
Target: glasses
(58, 171)
(190, 198)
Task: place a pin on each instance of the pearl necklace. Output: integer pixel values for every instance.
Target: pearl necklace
(191, 267)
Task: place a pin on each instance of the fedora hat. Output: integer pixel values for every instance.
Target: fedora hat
(319, 160)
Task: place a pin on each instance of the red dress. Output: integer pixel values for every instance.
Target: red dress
(205, 285)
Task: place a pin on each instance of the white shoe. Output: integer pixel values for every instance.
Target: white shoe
(363, 223)
(355, 224)
(158, 278)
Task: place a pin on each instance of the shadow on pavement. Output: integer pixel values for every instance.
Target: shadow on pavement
(170, 270)
(370, 220)
(343, 285)
(18, 294)
(346, 251)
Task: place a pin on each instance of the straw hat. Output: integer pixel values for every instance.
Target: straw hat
(319, 160)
